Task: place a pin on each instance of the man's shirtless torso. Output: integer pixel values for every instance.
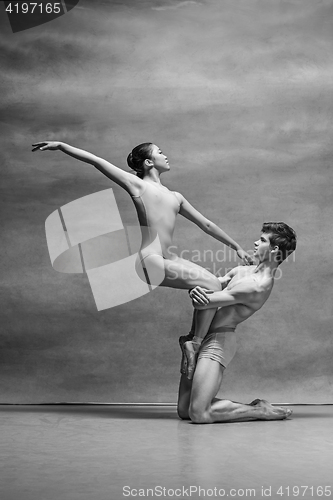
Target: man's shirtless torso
(256, 288)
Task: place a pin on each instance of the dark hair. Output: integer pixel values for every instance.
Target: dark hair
(138, 155)
(283, 236)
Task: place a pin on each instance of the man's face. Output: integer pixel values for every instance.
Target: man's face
(262, 248)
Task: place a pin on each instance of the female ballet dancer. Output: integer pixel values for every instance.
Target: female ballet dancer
(157, 208)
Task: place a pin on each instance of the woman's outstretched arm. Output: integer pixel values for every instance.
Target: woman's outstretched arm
(209, 227)
(128, 181)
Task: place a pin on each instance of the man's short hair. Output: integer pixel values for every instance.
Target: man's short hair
(281, 235)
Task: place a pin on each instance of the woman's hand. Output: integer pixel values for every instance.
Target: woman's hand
(199, 296)
(246, 258)
(46, 145)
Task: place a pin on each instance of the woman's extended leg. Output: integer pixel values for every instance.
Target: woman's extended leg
(184, 397)
(183, 274)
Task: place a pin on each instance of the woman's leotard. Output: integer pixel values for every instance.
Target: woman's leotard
(157, 208)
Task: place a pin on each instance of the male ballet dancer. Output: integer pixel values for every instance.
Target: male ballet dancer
(245, 289)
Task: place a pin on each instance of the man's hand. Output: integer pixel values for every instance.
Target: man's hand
(200, 296)
(46, 145)
(246, 258)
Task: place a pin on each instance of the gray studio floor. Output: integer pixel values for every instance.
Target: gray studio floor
(113, 452)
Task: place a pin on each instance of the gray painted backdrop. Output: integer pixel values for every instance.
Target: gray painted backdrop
(238, 93)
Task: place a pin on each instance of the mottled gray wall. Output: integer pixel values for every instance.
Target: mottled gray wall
(238, 93)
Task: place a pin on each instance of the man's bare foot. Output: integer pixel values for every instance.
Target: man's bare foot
(255, 402)
(271, 412)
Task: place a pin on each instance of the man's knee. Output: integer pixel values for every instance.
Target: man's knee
(183, 413)
(199, 415)
(182, 409)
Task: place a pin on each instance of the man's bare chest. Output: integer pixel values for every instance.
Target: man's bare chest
(242, 277)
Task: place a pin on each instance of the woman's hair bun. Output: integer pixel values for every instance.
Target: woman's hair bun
(137, 157)
(130, 161)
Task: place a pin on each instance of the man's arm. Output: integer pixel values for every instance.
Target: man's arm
(244, 294)
(201, 295)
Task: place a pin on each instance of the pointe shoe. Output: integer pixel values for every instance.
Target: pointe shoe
(189, 358)
(182, 340)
